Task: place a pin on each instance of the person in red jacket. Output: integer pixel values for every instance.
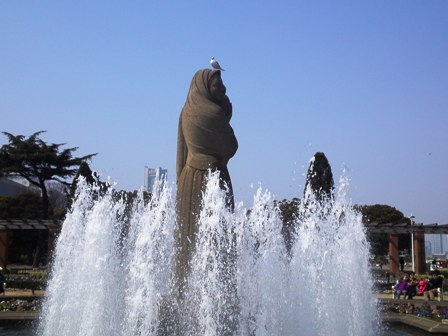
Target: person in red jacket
(422, 286)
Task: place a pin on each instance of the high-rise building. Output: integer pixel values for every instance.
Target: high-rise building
(438, 243)
(428, 248)
(151, 174)
(437, 247)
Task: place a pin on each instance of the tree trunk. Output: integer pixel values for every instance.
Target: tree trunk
(45, 208)
(45, 201)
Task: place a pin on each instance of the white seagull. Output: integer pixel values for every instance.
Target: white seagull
(215, 64)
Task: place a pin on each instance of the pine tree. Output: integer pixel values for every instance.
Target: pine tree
(39, 162)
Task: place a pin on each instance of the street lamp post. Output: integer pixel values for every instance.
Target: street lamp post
(412, 242)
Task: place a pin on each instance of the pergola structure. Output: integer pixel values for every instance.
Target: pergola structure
(52, 227)
(417, 232)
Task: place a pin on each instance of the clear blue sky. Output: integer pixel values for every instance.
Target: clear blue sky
(365, 82)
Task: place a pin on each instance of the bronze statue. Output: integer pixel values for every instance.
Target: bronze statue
(205, 141)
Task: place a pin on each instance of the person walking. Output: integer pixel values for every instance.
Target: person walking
(402, 264)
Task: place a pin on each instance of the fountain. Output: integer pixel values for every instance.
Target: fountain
(113, 276)
(201, 265)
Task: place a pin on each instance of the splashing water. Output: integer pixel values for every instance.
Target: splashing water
(113, 275)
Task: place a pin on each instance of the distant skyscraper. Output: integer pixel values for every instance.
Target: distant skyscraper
(428, 248)
(438, 243)
(437, 247)
(150, 177)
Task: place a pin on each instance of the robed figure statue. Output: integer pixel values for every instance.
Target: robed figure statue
(206, 141)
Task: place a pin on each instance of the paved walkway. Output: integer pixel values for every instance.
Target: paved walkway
(18, 315)
(20, 292)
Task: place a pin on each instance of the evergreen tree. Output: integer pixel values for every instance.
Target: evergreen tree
(320, 177)
(90, 177)
(383, 214)
(25, 206)
(39, 162)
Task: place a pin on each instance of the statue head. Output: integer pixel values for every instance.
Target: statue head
(208, 84)
(216, 87)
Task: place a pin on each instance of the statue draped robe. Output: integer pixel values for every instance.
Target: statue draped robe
(205, 141)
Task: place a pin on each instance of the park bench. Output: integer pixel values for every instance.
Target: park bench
(439, 291)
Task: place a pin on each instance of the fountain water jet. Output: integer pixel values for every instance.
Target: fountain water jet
(242, 282)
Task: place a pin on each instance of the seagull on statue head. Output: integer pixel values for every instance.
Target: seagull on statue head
(215, 64)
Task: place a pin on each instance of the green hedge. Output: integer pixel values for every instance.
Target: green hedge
(25, 284)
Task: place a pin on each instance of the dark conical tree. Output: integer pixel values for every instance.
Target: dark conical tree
(90, 177)
(320, 178)
(85, 171)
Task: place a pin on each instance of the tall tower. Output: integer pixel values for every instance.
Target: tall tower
(151, 174)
